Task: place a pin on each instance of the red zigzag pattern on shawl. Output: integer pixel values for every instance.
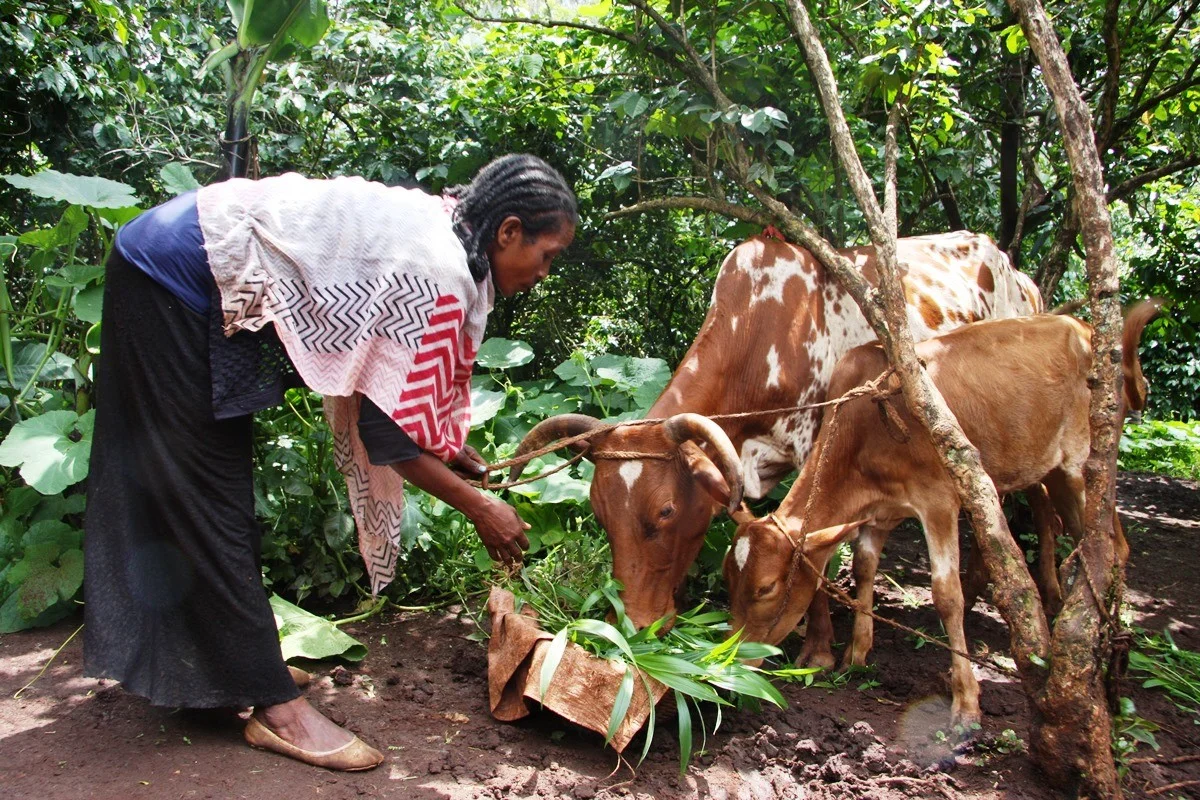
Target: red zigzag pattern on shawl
(429, 387)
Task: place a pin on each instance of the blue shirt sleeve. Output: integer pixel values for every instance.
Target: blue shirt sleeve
(166, 244)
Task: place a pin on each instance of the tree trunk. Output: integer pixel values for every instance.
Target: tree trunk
(1070, 741)
(1012, 107)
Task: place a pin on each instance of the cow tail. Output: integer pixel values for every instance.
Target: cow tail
(1136, 320)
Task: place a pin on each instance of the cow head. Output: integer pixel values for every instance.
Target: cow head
(654, 491)
(770, 586)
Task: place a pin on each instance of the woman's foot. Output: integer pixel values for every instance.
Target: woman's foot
(298, 730)
(298, 723)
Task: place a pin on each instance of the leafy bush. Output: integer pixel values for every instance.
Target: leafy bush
(50, 298)
(1170, 448)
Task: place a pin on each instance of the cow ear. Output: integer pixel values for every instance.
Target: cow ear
(828, 538)
(742, 514)
(705, 472)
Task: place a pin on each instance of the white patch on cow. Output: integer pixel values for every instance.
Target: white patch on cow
(773, 370)
(741, 552)
(758, 457)
(692, 364)
(768, 282)
(733, 323)
(630, 471)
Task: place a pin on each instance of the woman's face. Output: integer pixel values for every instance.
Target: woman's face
(518, 261)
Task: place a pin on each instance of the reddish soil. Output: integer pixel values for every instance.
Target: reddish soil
(422, 695)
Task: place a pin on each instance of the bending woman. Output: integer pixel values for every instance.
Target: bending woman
(214, 304)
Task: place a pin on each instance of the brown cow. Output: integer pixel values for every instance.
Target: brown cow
(776, 327)
(1018, 388)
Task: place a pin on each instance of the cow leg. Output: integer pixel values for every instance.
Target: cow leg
(818, 639)
(976, 579)
(1067, 492)
(941, 535)
(867, 550)
(1119, 541)
(1048, 527)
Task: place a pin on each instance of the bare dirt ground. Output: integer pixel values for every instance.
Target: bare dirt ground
(422, 694)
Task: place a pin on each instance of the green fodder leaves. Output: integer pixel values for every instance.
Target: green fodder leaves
(1167, 666)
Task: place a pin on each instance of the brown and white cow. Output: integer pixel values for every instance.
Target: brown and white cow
(1018, 388)
(775, 328)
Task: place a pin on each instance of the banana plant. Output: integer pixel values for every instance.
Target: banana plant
(266, 30)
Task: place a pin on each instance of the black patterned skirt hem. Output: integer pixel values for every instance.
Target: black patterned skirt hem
(175, 606)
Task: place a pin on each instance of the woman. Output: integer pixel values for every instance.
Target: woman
(377, 297)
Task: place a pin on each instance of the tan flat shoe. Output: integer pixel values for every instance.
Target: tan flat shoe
(301, 677)
(354, 756)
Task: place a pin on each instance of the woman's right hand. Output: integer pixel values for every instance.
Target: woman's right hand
(501, 529)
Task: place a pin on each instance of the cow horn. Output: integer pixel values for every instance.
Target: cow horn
(694, 427)
(548, 430)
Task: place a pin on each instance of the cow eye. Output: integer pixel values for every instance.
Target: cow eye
(666, 511)
(763, 591)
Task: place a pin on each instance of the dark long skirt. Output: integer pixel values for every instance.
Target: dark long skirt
(175, 607)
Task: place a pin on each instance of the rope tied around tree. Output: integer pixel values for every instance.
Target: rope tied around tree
(872, 388)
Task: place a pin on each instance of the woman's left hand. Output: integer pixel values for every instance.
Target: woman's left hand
(469, 461)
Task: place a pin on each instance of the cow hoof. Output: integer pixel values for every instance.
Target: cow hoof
(851, 660)
(966, 733)
(819, 659)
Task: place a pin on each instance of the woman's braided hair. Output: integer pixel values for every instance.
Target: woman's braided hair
(521, 186)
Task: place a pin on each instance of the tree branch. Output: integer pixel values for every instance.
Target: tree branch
(1123, 190)
(712, 204)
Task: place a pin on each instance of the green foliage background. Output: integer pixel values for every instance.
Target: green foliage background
(425, 93)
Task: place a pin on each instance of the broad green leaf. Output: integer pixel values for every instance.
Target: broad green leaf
(76, 275)
(413, 522)
(26, 357)
(574, 372)
(312, 23)
(12, 620)
(548, 404)
(303, 635)
(561, 487)
(496, 353)
(118, 216)
(178, 178)
(644, 378)
(485, 405)
(63, 536)
(88, 303)
(267, 21)
(81, 190)
(52, 449)
(70, 568)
